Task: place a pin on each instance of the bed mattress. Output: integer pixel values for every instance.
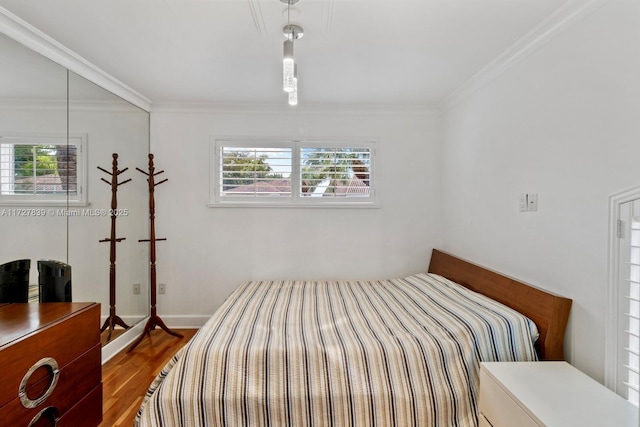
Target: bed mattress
(400, 352)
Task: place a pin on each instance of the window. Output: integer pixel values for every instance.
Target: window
(42, 170)
(252, 172)
(335, 172)
(288, 173)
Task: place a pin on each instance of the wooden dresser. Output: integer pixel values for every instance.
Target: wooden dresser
(50, 360)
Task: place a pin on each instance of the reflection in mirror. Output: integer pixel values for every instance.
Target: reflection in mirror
(33, 124)
(110, 125)
(70, 130)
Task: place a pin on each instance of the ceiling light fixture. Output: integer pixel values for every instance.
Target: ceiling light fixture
(293, 95)
(291, 32)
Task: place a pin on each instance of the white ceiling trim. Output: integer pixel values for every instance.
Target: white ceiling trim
(32, 104)
(34, 39)
(567, 15)
(325, 109)
(53, 104)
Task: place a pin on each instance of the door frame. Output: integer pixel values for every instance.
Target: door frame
(611, 327)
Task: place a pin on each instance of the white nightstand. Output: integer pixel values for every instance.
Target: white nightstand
(523, 394)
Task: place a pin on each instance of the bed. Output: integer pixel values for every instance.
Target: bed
(395, 352)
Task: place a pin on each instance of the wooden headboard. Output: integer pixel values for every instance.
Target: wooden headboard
(549, 312)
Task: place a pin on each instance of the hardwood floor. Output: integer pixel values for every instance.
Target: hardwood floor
(126, 377)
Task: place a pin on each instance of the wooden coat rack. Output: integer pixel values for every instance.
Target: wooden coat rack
(113, 318)
(154, 319)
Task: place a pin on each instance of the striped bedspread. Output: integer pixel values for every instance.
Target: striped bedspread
(400, 352)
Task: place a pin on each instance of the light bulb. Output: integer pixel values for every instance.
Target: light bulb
(288, 78)
(288, 67)
(293, 95)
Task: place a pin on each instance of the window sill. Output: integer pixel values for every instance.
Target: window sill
(328, 205)
(42, 203)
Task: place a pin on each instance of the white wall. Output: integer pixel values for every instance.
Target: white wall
(563, 123)
(210, 251)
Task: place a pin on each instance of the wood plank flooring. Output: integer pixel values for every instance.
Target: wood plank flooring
(126, 377)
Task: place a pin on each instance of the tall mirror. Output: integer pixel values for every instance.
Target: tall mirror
(33, 119)
(56, 206)
(105, 125)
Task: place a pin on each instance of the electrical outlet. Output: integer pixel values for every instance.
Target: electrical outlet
(136, 288)
(162, 288)
(528, 202)
(532, 202)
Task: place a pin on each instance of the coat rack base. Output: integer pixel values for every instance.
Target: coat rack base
(154, 320)
(111, 322)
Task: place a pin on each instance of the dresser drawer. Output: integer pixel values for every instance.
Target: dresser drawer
(86, 413)
(75, 380)
(498, 407)
(63, 341)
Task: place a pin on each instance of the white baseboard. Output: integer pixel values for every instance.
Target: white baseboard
(185, 321)
(129, 320)
(118, 344)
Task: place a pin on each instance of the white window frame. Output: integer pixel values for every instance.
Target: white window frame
(216, 199)
(79, 199)
(614, 351)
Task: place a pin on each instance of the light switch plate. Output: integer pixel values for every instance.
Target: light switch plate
(523, 202)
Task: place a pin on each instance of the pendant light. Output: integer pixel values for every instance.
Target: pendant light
(288, 66)
(291, 33)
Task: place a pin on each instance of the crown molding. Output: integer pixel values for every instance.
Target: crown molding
(26, 34)
(32, 104)
(16, 104)
(563, 18)
(355, 109)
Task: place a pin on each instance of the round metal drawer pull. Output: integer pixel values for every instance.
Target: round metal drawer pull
(22, 391)
(49, 411)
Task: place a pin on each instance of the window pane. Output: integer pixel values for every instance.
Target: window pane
(335, 172)
(635, 235)
(634, 290)
(7, 169)
(633, 326)
(30, 169)
(255, 171)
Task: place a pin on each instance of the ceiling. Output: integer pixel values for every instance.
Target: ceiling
(228, 52)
